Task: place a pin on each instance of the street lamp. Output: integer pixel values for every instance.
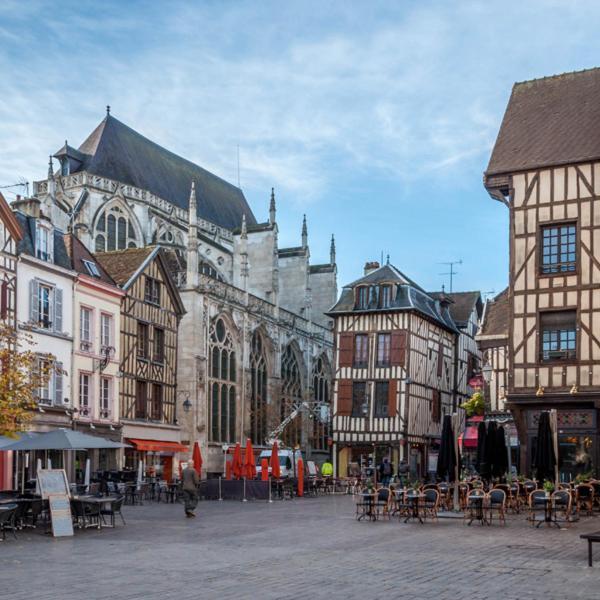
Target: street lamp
(487, 372)
(187, 405)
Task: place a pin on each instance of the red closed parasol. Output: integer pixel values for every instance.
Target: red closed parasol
(275, 469)
(300, 477)
(237, 467)
(197, 458)
(249, 466)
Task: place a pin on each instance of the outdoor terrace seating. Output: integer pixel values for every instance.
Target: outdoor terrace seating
(8, 514)
(584, 498)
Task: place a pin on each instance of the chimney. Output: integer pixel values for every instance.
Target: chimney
(371, 266)
(28, 206)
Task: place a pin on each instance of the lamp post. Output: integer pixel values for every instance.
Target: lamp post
(486, 371)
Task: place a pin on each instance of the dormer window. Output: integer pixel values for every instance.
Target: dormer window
(43, 242)
(64, 167)
(385, 296)
(362, 297)
(91, 267)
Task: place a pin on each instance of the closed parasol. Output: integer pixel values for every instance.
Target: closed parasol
(249, 466)
(446, 466)
(197, 458)
(237, 467)
(275, 468)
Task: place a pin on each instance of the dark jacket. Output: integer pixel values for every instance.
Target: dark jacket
(190, 479)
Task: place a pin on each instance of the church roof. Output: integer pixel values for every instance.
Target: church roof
(116, 151)
(549, 121)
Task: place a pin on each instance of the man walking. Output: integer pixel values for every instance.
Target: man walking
(190, 489)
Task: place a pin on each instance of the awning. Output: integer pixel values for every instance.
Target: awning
(157, 446)
(468, 439)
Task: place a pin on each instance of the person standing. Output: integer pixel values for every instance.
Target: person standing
(327, 469)
(403, 471)
(190, 489)
(385, 472)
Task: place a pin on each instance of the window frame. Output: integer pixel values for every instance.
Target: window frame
(86, 344)
(143, 351)
(158, 357)
(356, 363)
(357, 411)
(152, 291)
(105, 408)
(540, 253)
(109, 318)
(381, 401)
(48, 323)
(570, 355)
(85, 409)
(383, 363)
(361, 297)
(385, 289)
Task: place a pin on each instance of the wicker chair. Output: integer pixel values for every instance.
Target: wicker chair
(536, 505)
(383, 503)
(497, 503)
(8, 515)
(562, 501)
(431, 504)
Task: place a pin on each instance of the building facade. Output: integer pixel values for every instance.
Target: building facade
(95, 370)
(395, 371)
(151, 310)
(545, 169)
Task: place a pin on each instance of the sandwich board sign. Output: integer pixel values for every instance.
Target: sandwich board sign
(53, 481)
(60, 515)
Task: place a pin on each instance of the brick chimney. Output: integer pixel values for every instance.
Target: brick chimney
(28, 206)
(371, 266)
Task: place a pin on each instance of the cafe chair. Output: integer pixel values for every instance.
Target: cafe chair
(475, 507)
(382, 504)
(584, 498)
(8, 514)
(536, 505)
(497, 504)
(115, 509)
(431, 503)
(562, 502)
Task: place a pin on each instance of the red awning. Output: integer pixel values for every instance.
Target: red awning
(157, 446)
(469, 438)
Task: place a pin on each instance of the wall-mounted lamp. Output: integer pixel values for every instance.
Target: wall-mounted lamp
(574, 390)
(540, 391)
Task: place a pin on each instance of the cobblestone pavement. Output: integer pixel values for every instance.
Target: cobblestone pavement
(303, 548)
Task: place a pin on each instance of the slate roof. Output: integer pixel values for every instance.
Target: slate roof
(116, 151)
(408, 297)
(496, 316)
(122, 265)
(77, 252)
(27, 244)
(549, 121)
(463, 304)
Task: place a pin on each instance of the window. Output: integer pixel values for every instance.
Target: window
(159, 345)
(152, 291)
(382, 389)
(559, 335)
(291, 395)
(157, 399)
(384, 349)
(223, 383)
(114, 231)
(142, 340)
(141, 399)
(45, 391)
(105, 398)
(360, 402)
(362, 297)
(85, 409)
(45, 306)
(258, 390)
(105, 330)
(558, 249)
(321, 389)
(43, 242)
(361, 350)
(91, 268)
(385, 296)
(436, 407)
(85, 332)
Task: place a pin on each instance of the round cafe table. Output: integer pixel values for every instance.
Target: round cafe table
(414, 502)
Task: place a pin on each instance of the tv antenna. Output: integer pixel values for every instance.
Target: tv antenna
(451, 271)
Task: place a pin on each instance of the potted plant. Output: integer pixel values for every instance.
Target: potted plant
(475, 405)
(548, 487)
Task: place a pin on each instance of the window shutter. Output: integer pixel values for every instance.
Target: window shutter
(58, 310)
(392, 389)
(436, 406)
(398, 348)
(58, 384)
(4, 300)
(346, 349)
(34, 295)
(440, 363)
(344, 398)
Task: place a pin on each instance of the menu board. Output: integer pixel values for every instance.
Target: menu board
(53, 481)
(60, 515)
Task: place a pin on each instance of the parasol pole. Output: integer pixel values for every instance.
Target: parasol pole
(455, 421)
(554, 426)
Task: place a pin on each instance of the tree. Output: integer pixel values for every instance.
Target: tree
(22, 373)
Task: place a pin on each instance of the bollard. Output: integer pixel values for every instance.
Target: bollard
(270, 499)
(220, 496)
(244, 499)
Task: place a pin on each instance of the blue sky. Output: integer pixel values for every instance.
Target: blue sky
(376, 119)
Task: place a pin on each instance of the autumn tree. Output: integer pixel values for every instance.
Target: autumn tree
(22, 373)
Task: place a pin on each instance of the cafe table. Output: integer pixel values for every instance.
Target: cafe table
(366, 506)
(414, 501)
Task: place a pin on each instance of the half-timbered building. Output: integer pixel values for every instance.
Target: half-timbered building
(545, 167)
(10, 235)
(150, 314)
(394, 370)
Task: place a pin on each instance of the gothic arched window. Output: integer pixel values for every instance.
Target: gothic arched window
(114, 231)
(258, 391)
(223, 384)
(291, 396)
(321, 390)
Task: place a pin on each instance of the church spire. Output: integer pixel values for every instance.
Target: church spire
(272, 209)
(304, 233)
(332, 251)
(244, 235)
(51, 181)
(192, 246)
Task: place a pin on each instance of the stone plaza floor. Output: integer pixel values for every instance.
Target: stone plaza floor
(302, 548)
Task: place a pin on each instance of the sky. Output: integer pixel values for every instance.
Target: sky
(375, 119)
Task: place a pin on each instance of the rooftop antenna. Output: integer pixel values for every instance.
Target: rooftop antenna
(486, 294)
(451, 272)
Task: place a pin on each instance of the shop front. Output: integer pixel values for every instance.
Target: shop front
(361, 460)
(159, 458)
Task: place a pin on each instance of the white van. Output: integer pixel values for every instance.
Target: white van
(285, 461)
